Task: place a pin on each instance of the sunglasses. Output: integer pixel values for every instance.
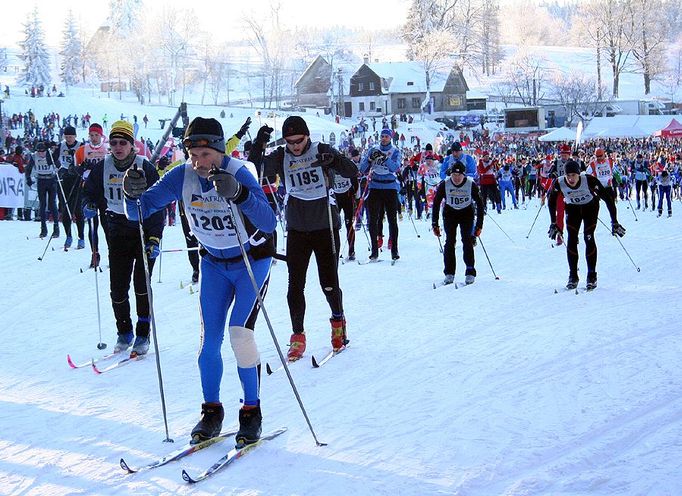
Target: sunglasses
(295, 142)
(118, 143)
(199, 142)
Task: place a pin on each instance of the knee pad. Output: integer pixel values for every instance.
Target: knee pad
(244, 347)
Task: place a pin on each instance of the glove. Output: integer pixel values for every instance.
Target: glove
(554, 231)
(134, 183)
(61, 172)
(245, 127)
(436, 230)
(263, 136)
(477, 231)
(89, 211)
(325, 159)
(377, 156)
(617, 229)
(226, 185)
(151, 248)
(29, 182)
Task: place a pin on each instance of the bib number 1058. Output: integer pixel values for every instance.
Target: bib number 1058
(213, 223)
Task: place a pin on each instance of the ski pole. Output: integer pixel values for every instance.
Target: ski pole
(415, 227)
(633, 209)
(101, 345)
(147, 280)
(439, 243)
(160, 257)
(621, 245)
(239, 225)
(534, 221)
(486, 256)
(500, 228)
(49, 240)
(174, 250)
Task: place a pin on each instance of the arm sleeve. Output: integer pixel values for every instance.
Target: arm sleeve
(437, 199)
(480, 206)
(232, 144)
(158, 195)
(552, 200)
(255, 206)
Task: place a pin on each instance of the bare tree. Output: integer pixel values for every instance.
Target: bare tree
(527, 75)
(176, 31)
(577, 94)
(646, 38)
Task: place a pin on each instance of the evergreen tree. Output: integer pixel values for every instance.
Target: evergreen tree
(36, 70)
(71, 53)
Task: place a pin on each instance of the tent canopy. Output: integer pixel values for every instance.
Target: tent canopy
(559, 134)
(674, 129)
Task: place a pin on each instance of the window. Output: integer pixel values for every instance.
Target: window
(361, 106)
(455, 101)
(410, 83)
(361, 86)
(402, 103)
(416, 102)
(372, 106)
(371, 86)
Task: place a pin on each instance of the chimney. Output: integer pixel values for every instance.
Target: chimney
(365, 59)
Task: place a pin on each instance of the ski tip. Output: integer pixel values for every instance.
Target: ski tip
(70, 362)
(187, 478)
(315, 364)
(268, 369)
(434, 285)
(94, 368)
(555, 291)
(125, 466)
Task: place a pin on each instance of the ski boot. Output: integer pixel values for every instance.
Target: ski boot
(591, 281)
(250, 425)
(469, 279)
(449, 279)
(351, 257)
(339, 340)
(572, 281)
(55, 231)
(211, 422)
(195, 276)
(123, 342)
(296, 346)
(81, 244)
(68, 242)
(94, 262)
(140, 347)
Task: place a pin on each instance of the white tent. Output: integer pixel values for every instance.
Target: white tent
(625, 126)
(559, 134)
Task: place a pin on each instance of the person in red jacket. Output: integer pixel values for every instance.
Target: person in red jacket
(487, 173)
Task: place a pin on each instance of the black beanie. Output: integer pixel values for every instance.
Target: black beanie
(209, 129)
(458, 166)
(428, 147)
(69, 131)
(293, 125)
(572, 167)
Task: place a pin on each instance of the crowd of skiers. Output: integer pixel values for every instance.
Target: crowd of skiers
(230, 200)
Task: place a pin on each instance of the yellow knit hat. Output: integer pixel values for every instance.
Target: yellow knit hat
(122, 129)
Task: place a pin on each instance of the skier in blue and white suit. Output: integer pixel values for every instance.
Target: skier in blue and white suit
(207, 184)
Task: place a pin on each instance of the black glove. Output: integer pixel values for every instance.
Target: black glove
(325, 159)
(554, 231)
(134, 183)
(61, 172)
(29, 182)
(226, 185)
(377, 156)
(245, 127)
(436, 230)
(263, 136)
(617, 229)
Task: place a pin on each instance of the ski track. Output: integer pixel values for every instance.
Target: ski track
(502, 388)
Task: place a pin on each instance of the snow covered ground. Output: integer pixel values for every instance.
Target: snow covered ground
(499, 388)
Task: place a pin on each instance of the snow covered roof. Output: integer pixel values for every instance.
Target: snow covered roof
(408, 77)
(625, 126)
(559, 134)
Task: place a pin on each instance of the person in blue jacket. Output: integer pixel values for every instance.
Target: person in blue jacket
(458, 155)
(215, 188)
(382, 162)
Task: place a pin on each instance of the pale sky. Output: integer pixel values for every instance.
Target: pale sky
(223, 18)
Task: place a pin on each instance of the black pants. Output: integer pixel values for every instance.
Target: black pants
(346, 203)
(464, 219)
(125, 260)
(587, 214)
(300, 246)
(47, 196)
(72, 190)
(190, 240)
(378, 202)
(642, 186)
(491, 192)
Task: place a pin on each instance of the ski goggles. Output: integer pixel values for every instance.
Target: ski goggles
(209, 141)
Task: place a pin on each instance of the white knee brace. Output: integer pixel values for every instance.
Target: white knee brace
(244, 347)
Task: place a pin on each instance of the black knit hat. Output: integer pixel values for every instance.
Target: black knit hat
(205, 132)
(294, 125)
(69, 131)
(457, 167)
(456, 146)
(572, 167)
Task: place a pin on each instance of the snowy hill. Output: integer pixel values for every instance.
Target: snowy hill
(502, 387)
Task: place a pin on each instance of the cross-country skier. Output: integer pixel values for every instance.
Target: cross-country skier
(70, 192)
(46, 171)
(581, 193)
(460, 193)
(213, 187)
(307, 169)
(103, 191)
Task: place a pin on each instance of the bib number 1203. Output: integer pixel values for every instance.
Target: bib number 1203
(213, 223)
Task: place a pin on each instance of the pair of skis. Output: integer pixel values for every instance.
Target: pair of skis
(231, 456)
(331, 354)
(93, 362)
